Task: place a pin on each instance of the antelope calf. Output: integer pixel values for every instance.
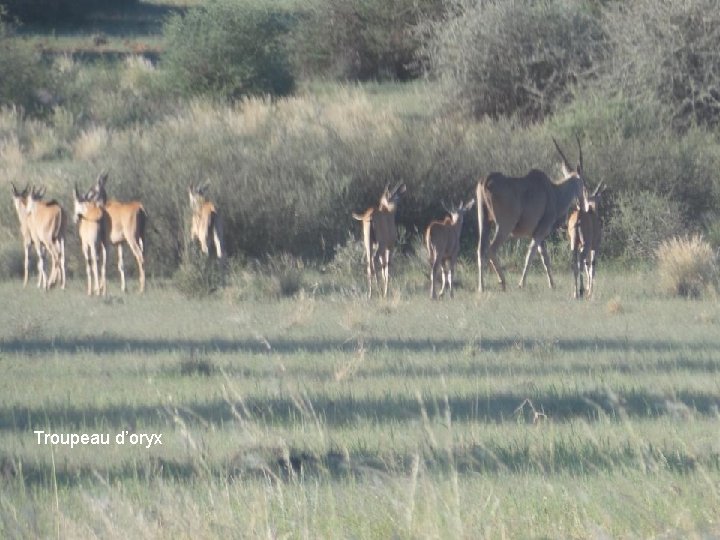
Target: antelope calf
(584, 232)
(91, 221)
(124, 222)
(20, 201)
(442, 239)
(528, 207)
(379, 235)
(206, 225)
(47, 222)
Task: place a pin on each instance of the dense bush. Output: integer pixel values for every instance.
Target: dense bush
(669, 52)
(23, 76)
(55, 11)
(228, 49)
(505, 58)
(361, 40)
(114, 95)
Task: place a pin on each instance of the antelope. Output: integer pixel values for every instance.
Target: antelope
(379, 234)
(125, 221)
(442, 239)
(91, 221)
(206, 225)
(525, 207)
(20, 200)
(584, 232)
(46, 222)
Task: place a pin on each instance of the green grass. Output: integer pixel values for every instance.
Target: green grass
(304, 416)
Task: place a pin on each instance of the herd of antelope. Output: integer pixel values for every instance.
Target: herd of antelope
(532, 207)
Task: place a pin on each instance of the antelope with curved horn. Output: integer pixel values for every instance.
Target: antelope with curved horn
(47, 222)
(125, 223)
(525, 207)
(91, 221)
(206, 225)
(20, 201)
(442, 240)
(379, 235)
(584, 232)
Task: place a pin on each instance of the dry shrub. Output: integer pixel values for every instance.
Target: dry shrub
(91, 143)
(687, 266)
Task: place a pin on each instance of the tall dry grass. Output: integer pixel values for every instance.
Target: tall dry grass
(687, 266)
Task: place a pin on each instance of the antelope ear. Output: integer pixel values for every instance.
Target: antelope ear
(16, 193)
(400, 188)
(469, 204)
(567, 172)
(102, 178)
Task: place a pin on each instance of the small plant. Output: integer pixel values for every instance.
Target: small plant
(198, 276)
(196, 365)
(687, 266)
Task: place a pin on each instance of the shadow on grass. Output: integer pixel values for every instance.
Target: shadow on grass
(296, 464)
(348, 410)
(109, 344)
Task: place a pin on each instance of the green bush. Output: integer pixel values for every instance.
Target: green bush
(505, 58)
(114, 95)
(639, 223)
(361, 39)
(228, 49)
(23, 75)
(55, 11)
(669, 51)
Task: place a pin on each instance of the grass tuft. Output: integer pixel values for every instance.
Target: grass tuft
(687, 267)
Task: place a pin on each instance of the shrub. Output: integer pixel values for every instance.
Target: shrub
(639, 223)
(111, 95)
(198, 276)
(505, 58)
(55, 11)
(687, 266)
(361, 40)
(669, 51)
(23, 74)
(228, 49)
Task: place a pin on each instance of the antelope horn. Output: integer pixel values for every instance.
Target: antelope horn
(582, 167)
(565, 160)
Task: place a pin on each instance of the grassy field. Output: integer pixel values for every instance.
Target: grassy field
(518, 414)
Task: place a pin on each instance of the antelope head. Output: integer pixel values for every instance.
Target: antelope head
(595, 198)
(35, 196)
(97, 193)
(20, 197)
(457, 213)
(389, 199)
(197, 194)
(80, 205)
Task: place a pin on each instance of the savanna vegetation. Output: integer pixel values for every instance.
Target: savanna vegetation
(291, 406)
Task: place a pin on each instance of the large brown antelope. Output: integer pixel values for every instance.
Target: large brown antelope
(584, 232)
(92, 222)
(442, 240)
(125, 223)
(20, 201)
(379, 235)
(206, 225)
(47, 222)
(526, 207)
